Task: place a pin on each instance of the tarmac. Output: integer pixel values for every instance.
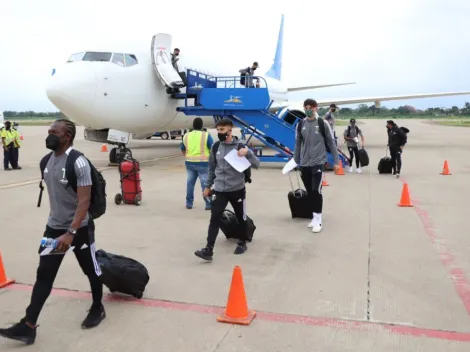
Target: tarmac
(379, 277)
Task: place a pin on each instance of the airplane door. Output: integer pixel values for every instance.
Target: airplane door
(161, 58)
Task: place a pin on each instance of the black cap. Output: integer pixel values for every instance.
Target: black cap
(224, 122)
(333, 105)
(255, 63)
(390, 122)
(176, 49)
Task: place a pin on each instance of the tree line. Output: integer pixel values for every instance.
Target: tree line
(404, 111)
(362, 110)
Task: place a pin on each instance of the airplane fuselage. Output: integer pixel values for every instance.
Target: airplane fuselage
(102, 95)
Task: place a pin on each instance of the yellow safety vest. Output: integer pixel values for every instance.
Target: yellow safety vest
(16, 134)
(8, 135)
(195, 143)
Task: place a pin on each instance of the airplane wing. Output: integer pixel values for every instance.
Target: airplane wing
(379, 99)
(298, 89)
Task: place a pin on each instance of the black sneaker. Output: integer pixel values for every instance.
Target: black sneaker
(205, 253)
(8, 169)
(17, 168)
(241, 248)
(20, 332)
(94, 318)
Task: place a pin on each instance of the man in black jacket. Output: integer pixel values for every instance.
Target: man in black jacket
(396, 141)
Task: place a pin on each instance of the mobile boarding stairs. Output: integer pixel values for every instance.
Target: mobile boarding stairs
(249, 109)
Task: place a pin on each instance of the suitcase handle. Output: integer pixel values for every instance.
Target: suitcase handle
(386, 151)
(298, 180)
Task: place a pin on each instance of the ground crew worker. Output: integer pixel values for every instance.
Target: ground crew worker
(310, 156)
(249, 73)
(70, 223)
(196, 147)
(229, 186)
(14, 127)
(10, 143)
(351, 134)
(396, 141)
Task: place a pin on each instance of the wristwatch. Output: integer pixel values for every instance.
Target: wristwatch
(72, 231)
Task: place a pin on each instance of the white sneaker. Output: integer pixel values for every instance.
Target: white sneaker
(351, 169)
(316, 225)
(310, 224)
(358, 170)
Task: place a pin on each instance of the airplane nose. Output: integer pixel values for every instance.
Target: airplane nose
(72, 88)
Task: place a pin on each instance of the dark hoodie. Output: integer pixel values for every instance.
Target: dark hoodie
(396, 137)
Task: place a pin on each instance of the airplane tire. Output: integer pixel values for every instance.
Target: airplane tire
(113, 156)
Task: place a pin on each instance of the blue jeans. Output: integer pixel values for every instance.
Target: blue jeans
(195, 170)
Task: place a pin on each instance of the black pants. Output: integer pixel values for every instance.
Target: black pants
(312, 178)
(395, 154)
(353, 151)
(10, 156)
(238, 201)
(49, 267)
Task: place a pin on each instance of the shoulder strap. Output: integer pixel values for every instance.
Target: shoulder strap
(299, 128)
(357, 130)
(42, 167)
(349, 130)
(70, 168)
(215, 148)
(321, 126)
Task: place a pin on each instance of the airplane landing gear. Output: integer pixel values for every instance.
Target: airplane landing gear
(116, 155)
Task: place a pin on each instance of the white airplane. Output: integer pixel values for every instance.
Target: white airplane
(123, 95)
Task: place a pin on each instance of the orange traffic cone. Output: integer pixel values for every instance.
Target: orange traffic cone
(405, 200)
(340, 171)
(104, 148)
(3, 276)
(324, 182)
(445, 169)
(237, 311)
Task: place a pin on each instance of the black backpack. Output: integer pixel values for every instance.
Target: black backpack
(321, 127)
(349, 130)
(98, 188)
(247, 172)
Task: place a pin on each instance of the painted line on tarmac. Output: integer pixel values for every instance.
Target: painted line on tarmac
(454, 270)
(101, 169)
(356, 325)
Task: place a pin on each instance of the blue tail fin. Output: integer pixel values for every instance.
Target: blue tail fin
(276, 69)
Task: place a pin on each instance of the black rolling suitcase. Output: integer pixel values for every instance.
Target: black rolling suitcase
(229, 226)
(298, 201)
(122, 274)
(385, 164)
(363, 157)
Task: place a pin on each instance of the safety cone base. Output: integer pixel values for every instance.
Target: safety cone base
(240, 321)
(406, 205)
(6, 283)
(445, 173)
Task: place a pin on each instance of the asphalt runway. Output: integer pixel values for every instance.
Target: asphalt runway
(379, 277)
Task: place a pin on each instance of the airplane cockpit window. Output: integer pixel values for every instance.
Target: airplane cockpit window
(76, 57)
(97, 56)
(131, 60)
(118, 59)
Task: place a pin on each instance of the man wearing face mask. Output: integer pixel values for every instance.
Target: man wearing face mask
(229, 186)
(70, 224)
(10, 143)
(249, 72)
(351, 134)
(312, 137)
(330, 117)
(396, 142)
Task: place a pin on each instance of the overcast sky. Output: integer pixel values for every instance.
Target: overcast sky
(387, 47)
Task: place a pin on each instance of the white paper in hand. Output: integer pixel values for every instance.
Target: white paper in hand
(239, 163)
(291, 165)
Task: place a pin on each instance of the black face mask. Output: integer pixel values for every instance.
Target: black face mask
(222, 136)
(53, 142)
(333, 110)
